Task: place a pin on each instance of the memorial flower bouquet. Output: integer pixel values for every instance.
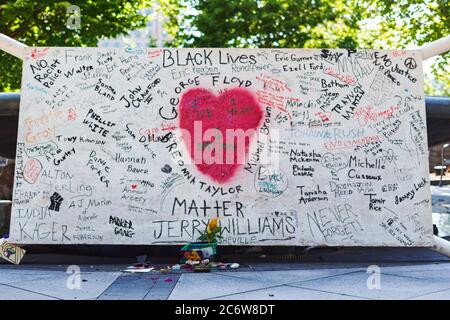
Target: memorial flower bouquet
(205, 250)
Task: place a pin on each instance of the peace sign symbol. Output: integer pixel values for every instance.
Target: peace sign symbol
(410, 63)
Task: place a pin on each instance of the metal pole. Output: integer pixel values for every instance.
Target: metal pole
(441, 245)
(12, 46)
(435, 48)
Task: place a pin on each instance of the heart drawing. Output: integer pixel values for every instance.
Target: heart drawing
(234, 109)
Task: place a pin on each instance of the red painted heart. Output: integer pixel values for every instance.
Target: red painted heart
(234, 109)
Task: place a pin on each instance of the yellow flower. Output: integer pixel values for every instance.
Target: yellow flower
(212, 225)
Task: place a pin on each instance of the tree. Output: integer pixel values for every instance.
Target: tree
(405, 22)
(48, 23)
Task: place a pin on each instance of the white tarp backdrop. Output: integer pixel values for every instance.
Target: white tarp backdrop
(337, 152)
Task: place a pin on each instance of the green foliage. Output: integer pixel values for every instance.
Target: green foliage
(438, 88)
(43, 23)
(418, 21)
(212, 232)
(210, 237)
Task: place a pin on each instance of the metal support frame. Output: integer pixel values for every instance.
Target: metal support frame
(429, 50)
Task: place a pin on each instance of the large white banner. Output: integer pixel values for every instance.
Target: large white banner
(285, 146)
